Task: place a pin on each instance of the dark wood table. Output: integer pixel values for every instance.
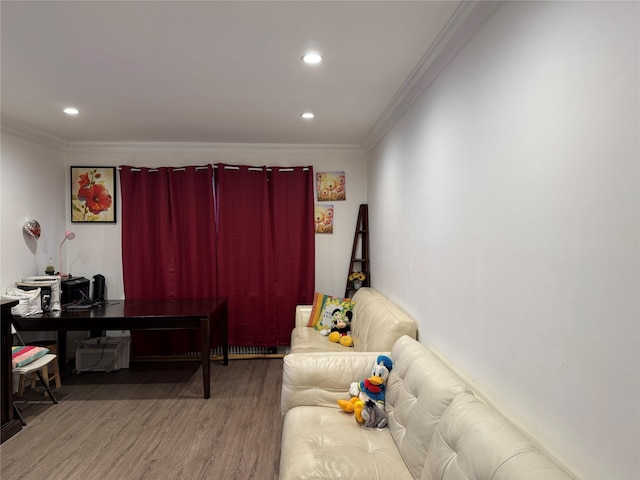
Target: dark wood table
(199, 314)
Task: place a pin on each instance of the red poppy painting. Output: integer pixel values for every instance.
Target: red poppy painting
(93, 192)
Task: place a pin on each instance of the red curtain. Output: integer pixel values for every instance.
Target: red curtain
(254, 244)
(168, 244)
(291, 205)
(246, 267)
(147, 239)
(266, 250)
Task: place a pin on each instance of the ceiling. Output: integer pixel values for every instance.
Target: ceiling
(212, 71)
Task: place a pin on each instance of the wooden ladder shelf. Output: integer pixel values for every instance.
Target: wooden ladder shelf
(360, 252)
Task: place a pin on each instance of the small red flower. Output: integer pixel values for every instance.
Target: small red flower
(84, 180)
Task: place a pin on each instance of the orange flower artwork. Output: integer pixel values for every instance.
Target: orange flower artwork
(331, 186)
(93, 194)
(323, 218)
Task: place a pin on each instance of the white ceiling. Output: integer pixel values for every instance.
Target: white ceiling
(212, 71)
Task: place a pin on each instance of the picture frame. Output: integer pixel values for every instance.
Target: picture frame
(323, 219)
(331, 186)
(93, 194)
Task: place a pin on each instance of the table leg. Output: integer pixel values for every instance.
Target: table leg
(205, 343)
(62, 351)
(225, 339)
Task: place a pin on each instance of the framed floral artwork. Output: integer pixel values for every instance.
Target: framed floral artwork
(323, 218)
(93, 194)
(331, 186)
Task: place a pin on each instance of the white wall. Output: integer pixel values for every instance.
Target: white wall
(97, 247)
(32, 180)
(33, 186)
(505, 211)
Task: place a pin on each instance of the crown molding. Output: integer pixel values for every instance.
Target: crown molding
(463, 25)
(27, 132)
(32, 134)
(131, 147)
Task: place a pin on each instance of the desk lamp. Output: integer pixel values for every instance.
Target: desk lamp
(67, 236)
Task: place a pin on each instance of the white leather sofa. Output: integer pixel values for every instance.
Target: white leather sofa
(438, 428)
(377, 323)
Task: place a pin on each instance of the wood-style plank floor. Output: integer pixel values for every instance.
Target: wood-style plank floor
(151, 422)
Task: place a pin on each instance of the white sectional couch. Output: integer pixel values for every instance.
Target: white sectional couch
(377, 323)
(438, 429)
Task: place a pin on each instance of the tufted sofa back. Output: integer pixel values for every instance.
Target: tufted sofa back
(473, 441)
(419, 389)
(377, 322)
(444, 432)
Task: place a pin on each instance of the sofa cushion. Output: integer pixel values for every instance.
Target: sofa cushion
(22, 355)
(309, 340)
(419, 389)
(303, 313)
(321, 442)
(377, 322)
(321, 379)
(473, 441)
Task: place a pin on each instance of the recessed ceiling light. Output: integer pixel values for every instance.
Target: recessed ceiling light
(71, 111)
(307, 115)
(312, 57)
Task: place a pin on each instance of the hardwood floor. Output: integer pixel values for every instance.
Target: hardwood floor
(151, 422)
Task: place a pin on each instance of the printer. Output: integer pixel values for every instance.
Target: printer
(74, 289)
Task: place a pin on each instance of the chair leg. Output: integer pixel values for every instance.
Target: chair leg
(46, 386)
(55, 376)
(53, 348)
(20, 386)
(56, 373)
(33, 378)
(18, 413)
(56, 367)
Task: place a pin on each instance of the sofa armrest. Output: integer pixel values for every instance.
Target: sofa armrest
(303, 312)
(321, 379)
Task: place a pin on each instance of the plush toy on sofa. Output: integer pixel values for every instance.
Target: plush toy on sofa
(373, 416)
(340, 330)
(370, 389)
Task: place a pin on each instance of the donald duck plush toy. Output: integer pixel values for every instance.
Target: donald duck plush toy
(369, 390)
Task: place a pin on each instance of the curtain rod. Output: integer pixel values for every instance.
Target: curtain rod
(215, 167)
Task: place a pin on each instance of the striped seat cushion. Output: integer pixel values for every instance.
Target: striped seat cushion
(24, 355)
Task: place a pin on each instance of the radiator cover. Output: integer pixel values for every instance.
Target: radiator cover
(103, 354)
